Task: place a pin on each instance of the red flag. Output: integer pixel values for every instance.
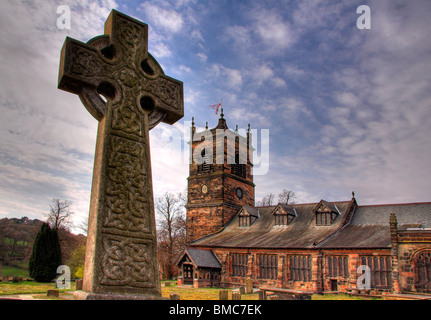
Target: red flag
(216, 107)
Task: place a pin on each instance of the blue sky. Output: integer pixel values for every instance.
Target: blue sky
(347, 109)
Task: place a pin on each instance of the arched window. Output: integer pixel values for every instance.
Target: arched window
(423, 271)
(206, 166)
(237, 168)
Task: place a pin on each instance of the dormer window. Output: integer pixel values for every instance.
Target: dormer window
(325, 213)
(283, 215)
(247, 216)
(244, 221)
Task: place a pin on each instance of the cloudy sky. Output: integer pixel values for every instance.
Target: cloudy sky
(346, 109)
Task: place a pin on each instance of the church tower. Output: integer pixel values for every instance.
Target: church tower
(220, 179)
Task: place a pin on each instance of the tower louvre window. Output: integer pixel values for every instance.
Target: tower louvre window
(237, 168)
(206, 166)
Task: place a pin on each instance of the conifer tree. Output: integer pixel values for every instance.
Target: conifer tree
(46, 255)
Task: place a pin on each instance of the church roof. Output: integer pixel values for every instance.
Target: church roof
(367, 228)
(301, 232)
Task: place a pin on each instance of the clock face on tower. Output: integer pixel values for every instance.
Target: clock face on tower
(239, 193)
(204, 189)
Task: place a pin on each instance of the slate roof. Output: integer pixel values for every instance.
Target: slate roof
(202, 258)
(368, 228)
(263, 233)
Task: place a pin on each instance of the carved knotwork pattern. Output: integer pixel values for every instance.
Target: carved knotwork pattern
(127, 119)
(127, 262)
(127, 203)
(130, 36)
(167, 91)
(85, 63)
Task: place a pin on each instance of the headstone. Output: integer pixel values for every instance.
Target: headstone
(15, 279)
(236, 295)
(78, 284)
(223, 295)
(5, 279)
(174, 296)
(242, 290)
(121, 257)
(53, 293)
(248, 286)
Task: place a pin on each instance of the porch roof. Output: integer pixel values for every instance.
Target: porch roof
(201, 258)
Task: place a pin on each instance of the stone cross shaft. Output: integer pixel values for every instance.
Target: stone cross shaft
(121, 256)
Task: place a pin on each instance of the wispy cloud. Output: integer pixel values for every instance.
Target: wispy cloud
(167, 19)
(347, 109)
(48, 137)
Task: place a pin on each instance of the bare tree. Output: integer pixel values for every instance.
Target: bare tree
(267, 200)
(286, 197)
(60, 215)
(171, 230)
(83, 226)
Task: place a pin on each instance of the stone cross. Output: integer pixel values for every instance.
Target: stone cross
(121, 256)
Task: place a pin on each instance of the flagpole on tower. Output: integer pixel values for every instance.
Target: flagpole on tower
(216, 107)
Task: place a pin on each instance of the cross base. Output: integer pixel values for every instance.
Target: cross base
(84, 295)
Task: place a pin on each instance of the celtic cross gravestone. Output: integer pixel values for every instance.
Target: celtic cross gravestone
(126, 90)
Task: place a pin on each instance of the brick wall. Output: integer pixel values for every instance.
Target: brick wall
(321, 279)
(410, 245)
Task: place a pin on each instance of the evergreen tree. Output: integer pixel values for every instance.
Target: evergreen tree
(46, 255)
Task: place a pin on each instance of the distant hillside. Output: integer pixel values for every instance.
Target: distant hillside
(17, 236)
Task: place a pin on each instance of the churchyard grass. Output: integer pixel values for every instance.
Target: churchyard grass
(38, 291)
(189, 293)
(29, 287)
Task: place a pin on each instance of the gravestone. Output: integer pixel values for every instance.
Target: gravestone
(223, 295)
(121, 257)
(79, 284)
(52, 293)
(248, 286)
(236, 295)
(174, 296)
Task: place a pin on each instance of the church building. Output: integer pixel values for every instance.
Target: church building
(327, 246)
